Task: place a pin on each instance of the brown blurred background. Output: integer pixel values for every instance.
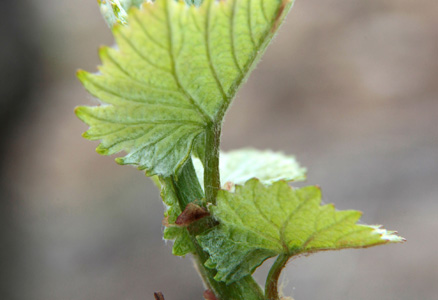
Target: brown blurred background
(349, 87)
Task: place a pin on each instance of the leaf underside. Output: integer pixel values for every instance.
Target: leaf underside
(239, 166)
(258, 222)
(174, 73)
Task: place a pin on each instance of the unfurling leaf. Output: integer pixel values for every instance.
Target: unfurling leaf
(191, 213)
(258, 221)
(174, 73)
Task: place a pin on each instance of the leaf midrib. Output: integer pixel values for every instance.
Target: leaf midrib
(245, 72)
(174, 72)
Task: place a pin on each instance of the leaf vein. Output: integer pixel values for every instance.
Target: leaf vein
(261, 211)
(174, 72)
(144, 58)
(263, 234)
(98, 136)
(145, 122)
(286, 223)
(145, 102)
(351, 232)
(147, 34)
(262, 5)
(208, 51)
(251, 34)
(312, 237)
(232, 36)
(158, 89)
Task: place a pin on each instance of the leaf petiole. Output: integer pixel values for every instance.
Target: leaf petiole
(271, 287)
(212, 182)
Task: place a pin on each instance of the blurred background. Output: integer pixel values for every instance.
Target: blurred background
(349, 87)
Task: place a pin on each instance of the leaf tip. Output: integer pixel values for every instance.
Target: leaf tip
(116, 28)
(80, 112)
(120, 161)
(102, 150)
(103, 52)
(86, 135)
(148, 172)
(81, 75)
(388, 235)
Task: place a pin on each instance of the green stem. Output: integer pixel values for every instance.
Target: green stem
(212, 182)
(187, 189)
(244, 289)
(187, 185)
(271, 288)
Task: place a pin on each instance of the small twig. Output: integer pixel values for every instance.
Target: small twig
(271, 288)
(191, 213)
(159, 296)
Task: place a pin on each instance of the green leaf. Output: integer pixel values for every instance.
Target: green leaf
(239, 166)
(174, 73)
(182, 244)
(259, 221)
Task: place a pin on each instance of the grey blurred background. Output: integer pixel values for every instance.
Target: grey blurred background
(349, 87)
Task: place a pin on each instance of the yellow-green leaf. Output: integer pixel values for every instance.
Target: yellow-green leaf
(258, 221)
(174, 72)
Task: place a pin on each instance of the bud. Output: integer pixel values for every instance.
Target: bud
(116, 11)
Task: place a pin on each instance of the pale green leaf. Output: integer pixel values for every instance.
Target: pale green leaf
(174, 72)
(239, 166)
(259, 221)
